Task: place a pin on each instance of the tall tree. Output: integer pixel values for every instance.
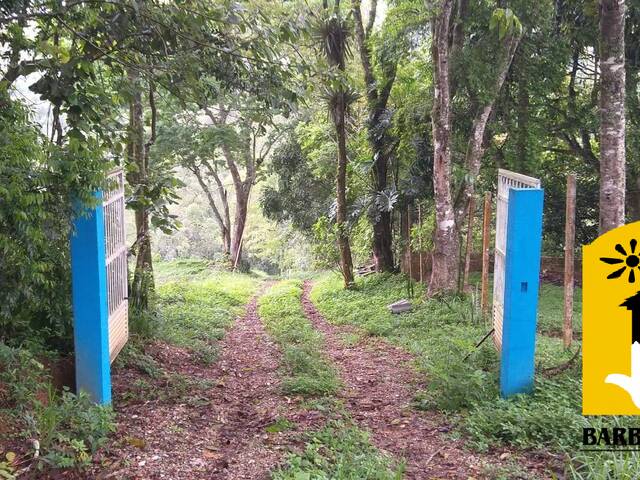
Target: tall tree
(445, 238)
(378, 124)
(450, 214)
(332, 33)
(138, 178)
(509, 30)
(612, 114)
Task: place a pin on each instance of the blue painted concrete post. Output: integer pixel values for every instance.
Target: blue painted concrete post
(522, 277)
(90, 310)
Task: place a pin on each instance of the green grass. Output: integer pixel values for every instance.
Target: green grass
(441, 333)
(195, 313)
(306, 371)
(550, 316)
(342, 451)
(190, 269)
(339, 449)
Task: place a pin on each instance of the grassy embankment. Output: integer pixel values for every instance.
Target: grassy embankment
(339, 449)
(442, 332)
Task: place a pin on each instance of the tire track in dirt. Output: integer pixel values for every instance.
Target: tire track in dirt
(224, 436)
(379, 384)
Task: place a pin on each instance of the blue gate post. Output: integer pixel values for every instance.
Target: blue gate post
(90, 310)
(522, 278)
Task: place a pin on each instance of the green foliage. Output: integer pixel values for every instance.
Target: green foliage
(325, 248)
(550, 418)
(39, 182)
(65, 429)
(299, 196)
(339, 450)
(462, 379)
(505, 22)
(604, 465)
(306, 371)
(422, 235)
(69, 428)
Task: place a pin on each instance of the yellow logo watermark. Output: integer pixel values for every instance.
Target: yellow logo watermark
(611, 323)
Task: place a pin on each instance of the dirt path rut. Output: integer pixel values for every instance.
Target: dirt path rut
(379, 386)
(217, 433)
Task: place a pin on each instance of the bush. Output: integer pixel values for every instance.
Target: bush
(548, 419)
(39, 182)
(69, 429)
(66, 430)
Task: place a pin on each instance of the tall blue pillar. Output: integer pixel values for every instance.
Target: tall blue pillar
(90, 310)
(522, 278)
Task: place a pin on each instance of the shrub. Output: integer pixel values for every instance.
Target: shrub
(69, 429)
(65, 429)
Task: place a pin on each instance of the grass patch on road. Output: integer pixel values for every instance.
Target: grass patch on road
(339, 449)
(342, 451)
(306, 371)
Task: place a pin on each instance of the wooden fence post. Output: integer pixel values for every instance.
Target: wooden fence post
(569, 247)
(484, 297)
(409, 242)
(420, 242)
(467, 255)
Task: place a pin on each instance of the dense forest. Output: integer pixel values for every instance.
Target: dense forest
(305, 140)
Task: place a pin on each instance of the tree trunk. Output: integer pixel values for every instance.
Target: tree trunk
(522, 138)
(240, 221)
(612, 114)
(378, 138)
(142, 283)
(475, 146)
(445, 238)
(346, 263)
(382, 234)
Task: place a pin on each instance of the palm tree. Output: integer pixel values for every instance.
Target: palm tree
(332, 33)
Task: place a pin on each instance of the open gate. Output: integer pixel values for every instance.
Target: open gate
(506, 181)
(116, 263)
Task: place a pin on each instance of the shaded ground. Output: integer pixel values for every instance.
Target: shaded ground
(218, 424)
(378, 380)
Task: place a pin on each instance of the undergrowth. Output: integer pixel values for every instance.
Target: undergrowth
(195, 313)
(306, 371)
(339, 450)
(61, 430)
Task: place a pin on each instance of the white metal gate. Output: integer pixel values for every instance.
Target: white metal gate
(506, 180)
(116, 252)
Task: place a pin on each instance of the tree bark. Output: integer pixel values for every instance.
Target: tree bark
(475, 146)
(346, 262)
(143, 282)
(378, 137)
(445, 238)
(612, 114)
(240, 221)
